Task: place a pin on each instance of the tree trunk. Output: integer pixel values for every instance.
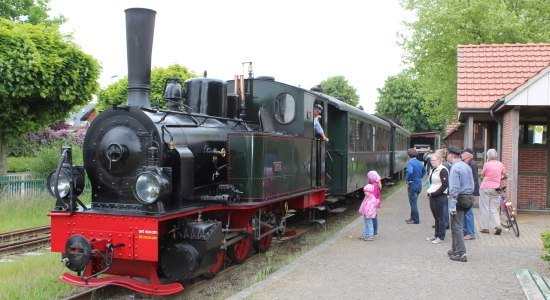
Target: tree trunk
(3, 156)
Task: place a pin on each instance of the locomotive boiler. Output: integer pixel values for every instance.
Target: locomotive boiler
(175, 192)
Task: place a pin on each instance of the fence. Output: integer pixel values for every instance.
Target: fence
(20, 185)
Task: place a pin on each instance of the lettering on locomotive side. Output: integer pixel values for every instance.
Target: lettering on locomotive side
(145, 234)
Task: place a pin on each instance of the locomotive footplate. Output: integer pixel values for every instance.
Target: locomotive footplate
(153, 288)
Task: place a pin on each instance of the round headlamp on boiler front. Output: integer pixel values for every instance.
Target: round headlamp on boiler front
(150, 186)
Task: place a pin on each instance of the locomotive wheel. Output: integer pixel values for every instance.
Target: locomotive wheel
(264, 243)
(238, 252)
(217, 267)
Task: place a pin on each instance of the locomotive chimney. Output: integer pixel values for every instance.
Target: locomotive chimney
(140, 27)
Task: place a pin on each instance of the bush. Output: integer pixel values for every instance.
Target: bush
(20, 164)
(34, 142)
(47, 160)
(546, 240)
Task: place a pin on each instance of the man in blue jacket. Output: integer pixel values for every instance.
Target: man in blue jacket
(415, 172)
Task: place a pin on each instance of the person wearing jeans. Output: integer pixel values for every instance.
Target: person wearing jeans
(461, 185)
(415, 173)
(469, 226)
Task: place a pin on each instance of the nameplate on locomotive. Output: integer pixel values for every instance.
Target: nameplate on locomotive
(277, 166)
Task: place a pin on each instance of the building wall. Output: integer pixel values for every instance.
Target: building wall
(506, 157)
(532, 177)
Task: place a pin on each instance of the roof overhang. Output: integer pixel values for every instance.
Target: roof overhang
(479, 114)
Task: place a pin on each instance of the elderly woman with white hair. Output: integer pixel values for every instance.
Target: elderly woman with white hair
(489, 201)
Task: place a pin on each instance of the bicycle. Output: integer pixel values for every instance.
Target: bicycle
(509, 210)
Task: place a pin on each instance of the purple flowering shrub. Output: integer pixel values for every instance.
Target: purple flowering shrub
(33, 142)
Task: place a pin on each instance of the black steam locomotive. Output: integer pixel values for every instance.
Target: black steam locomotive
(176, 191)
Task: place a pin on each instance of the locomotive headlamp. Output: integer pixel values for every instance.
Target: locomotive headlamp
(150, 186)
(63, 183)
(68, 178)
(66, 182)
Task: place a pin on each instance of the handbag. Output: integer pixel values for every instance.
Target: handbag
(464, 202)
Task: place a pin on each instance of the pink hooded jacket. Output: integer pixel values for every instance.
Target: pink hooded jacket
(374, 179)
(370, 203)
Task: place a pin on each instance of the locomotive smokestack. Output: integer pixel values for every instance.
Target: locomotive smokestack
(140, 27)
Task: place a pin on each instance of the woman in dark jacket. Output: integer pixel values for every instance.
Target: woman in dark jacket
(439, 182)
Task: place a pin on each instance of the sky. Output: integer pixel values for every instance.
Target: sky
(298, 42)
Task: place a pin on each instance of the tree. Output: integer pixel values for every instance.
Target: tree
(28, 11)
(117, 93)
(338, 86)
(43, 75)
(401, 101)
(442, 25)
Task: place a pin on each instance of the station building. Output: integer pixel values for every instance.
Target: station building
(503, 102)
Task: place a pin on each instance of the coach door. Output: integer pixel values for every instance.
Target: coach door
(336, 150)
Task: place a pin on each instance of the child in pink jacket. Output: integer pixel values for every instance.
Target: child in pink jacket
(368, 210)
(376, 181)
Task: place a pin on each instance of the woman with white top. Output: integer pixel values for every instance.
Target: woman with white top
(437, 192)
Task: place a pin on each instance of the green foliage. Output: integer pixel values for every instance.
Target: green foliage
(116, 93)
(20, 164)
(42, 77)
(28, 11)
(546, 240)
(338, 86)
(442, 25)
(401, 101)
(48, 158)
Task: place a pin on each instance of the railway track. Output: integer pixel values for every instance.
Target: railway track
(25, 240)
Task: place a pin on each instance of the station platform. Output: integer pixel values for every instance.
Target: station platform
(401, 264)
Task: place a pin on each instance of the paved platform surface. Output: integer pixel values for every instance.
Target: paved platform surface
(401, 264)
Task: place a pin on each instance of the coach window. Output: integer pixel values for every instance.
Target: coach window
(284, 108)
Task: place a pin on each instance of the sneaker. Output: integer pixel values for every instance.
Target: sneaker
(459, 257)
(498, 230)
(437, 241)
(431, 239)
(484, 231)
(411, 222)
(451, 252)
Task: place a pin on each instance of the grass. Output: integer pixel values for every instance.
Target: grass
(546, 241)
(33, 277)
(25, 212)
(20, 164)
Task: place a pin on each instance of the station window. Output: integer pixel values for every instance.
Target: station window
(532, 134)
(284, 108)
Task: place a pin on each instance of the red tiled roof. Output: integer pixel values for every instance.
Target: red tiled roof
(451, 127)
(489, 72)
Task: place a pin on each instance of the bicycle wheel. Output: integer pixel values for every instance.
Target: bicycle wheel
(514, 223)
(505, 220)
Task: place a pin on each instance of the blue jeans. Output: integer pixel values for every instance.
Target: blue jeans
(469, 226)
(413, 199)
(446, 204)
(375, 224)
(369, 231)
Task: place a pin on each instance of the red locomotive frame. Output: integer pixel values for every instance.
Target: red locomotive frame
(138, 237)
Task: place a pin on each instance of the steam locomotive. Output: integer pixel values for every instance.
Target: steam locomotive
(175, 191)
